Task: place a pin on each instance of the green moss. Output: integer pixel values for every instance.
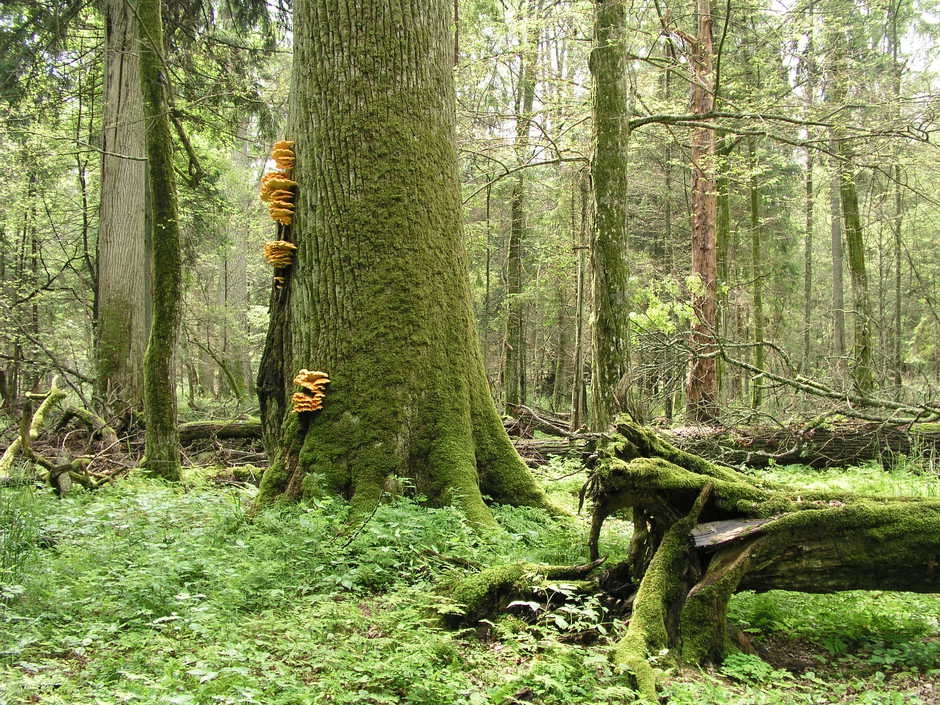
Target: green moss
(478, 595)
(659, 597)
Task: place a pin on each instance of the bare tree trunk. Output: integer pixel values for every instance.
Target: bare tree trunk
(808, 262)
(122, 301)
(578, 401)
(862, 375)
(808, 69)
(514, 347)
(702, 382)
(757, 274)
(838, 287)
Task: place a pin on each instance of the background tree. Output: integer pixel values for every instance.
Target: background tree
(162, 450)
(610, 246)
(124, 289)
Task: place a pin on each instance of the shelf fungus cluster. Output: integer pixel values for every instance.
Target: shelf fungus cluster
(277, 188)
(279, 253)
(314, 391)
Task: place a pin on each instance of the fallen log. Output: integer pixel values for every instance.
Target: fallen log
(536, 451)
(236, 428)
(763, 536)
(526, 420)
(817, 444)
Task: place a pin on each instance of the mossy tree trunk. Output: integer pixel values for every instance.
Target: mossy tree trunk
(863, 378)
(378, 295)
(162, 447)
(705, 531)
(609, 170)
(122, 301)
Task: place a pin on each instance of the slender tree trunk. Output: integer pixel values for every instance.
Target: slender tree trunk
(722, 240)
(578, 392)
(897, 69)
(808, 68)
(610, 382)
(808, 262)
(862, 375)
(757, 274)
(560, 381)
(378, 295)
(514, 347)
(838, 287)
(702, 382)
(122, 301)
(162, 448)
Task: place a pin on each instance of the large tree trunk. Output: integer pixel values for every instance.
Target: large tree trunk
(162, 447)
(122, 303)
(609, 170)
(704, 531)
(378, 295)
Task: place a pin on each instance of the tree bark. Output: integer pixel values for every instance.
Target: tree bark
(378, 296)
(838, 265)
(578, 391)
(162, 448)
(863, 378)
(610, 381)
(122, 298)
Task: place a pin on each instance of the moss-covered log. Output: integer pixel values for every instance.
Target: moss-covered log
(690, 555)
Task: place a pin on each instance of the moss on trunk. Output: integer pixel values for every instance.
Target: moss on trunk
(610, 177)
(162, 447)
(379, 296)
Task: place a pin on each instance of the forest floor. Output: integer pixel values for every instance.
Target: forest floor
(144, 592)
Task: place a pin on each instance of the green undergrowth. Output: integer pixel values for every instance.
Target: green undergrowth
(145, 592)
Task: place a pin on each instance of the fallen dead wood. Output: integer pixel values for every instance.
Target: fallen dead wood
(770, 537)
(236, 428)
(817, 444)
(525, 420)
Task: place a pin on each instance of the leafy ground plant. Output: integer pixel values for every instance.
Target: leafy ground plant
(151, 593)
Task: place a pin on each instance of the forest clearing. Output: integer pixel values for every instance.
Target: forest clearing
(488, 351)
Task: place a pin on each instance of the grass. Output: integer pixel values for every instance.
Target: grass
(150, 593)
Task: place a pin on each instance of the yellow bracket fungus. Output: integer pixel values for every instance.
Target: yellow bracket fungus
(314, 385)
(279, 253)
